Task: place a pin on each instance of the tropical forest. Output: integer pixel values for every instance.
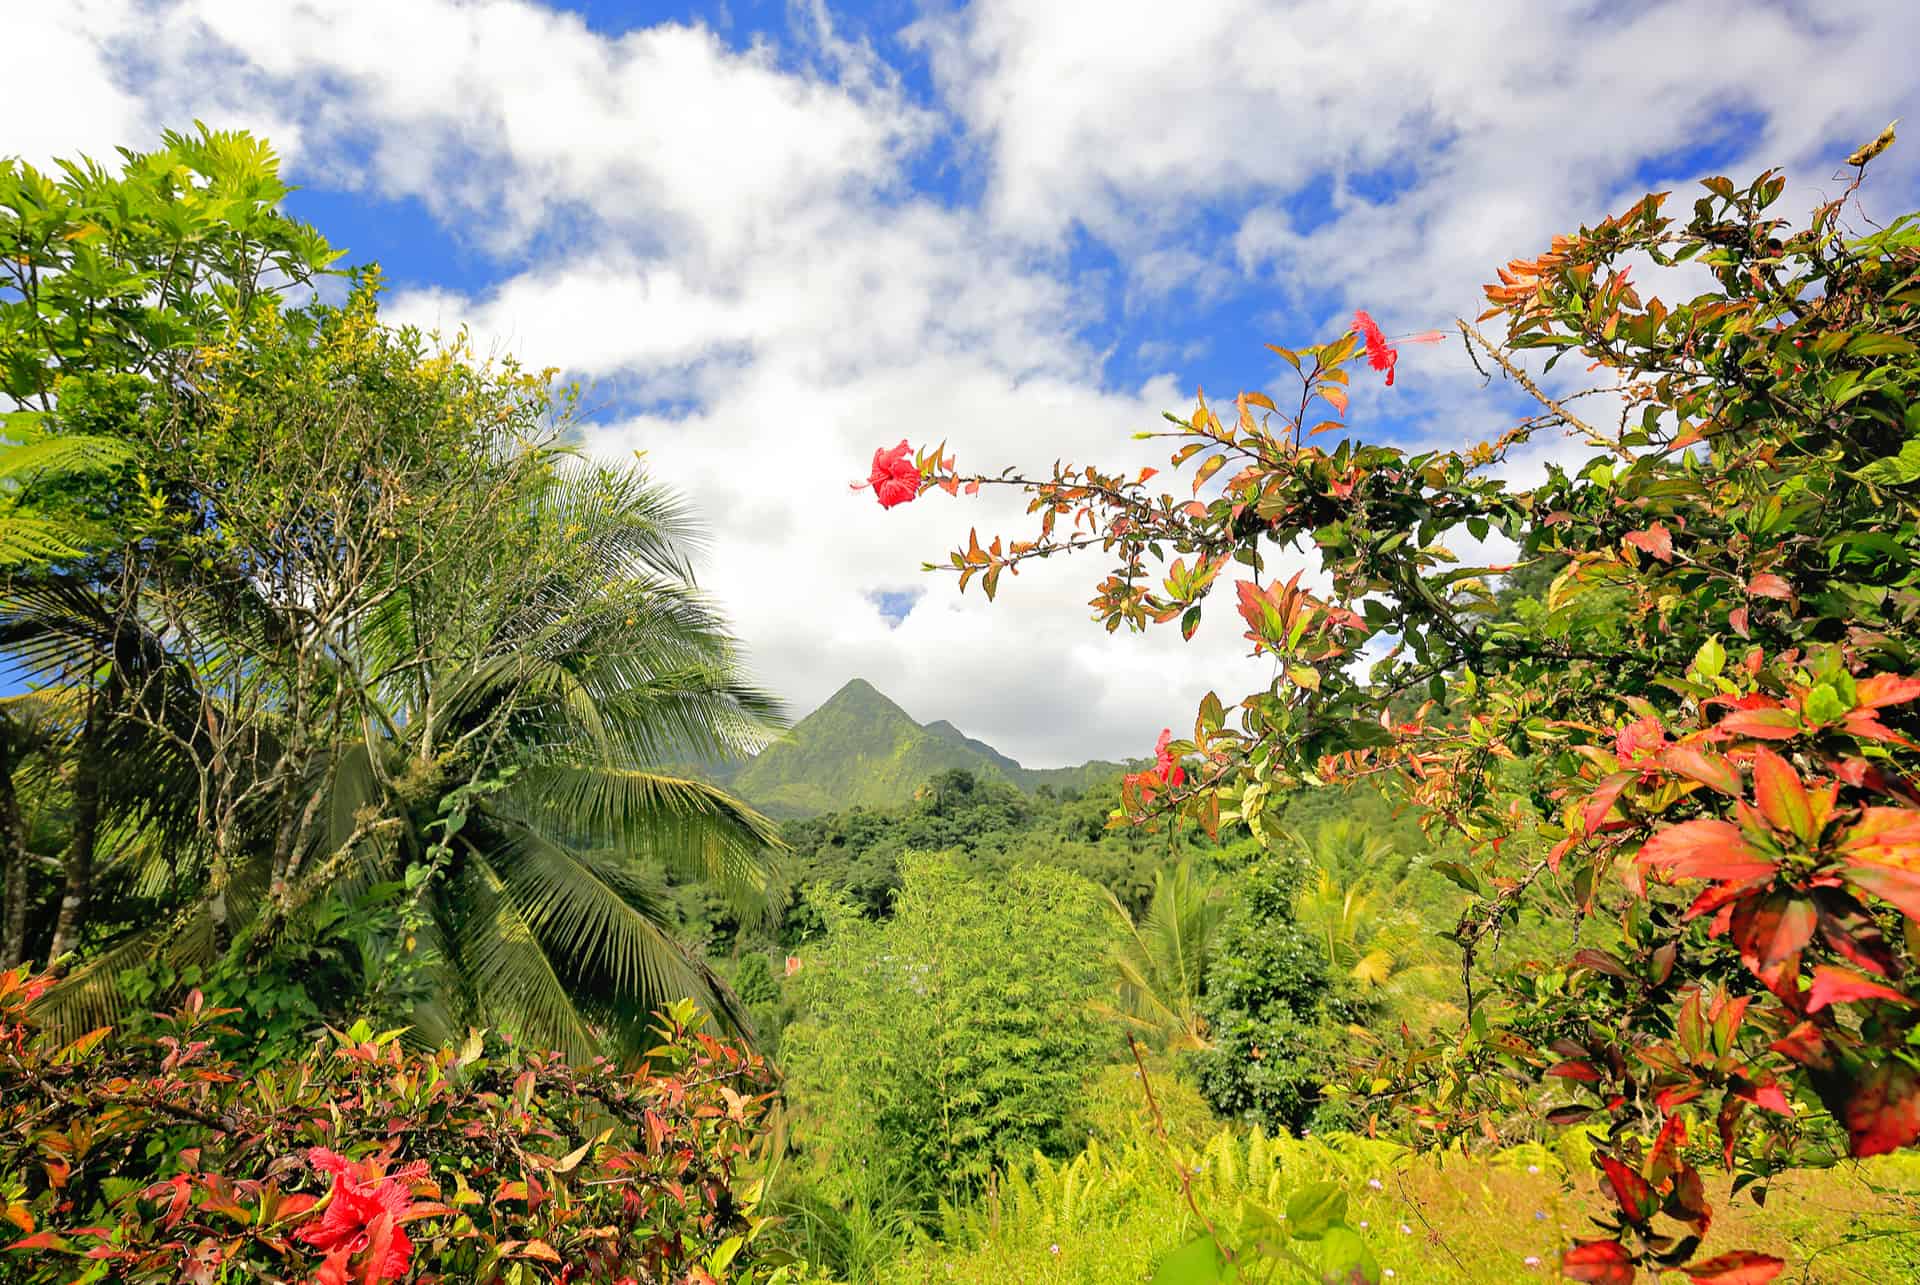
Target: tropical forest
(412, 873)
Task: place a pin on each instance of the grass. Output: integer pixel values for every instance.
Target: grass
(1110, 1214)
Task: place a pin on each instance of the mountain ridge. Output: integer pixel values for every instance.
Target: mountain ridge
(859, 748)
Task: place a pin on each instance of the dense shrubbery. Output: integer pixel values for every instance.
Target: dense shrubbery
(156, 1159)
(1273, 1013)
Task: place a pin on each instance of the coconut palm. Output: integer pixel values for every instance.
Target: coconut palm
(1347, 907)
(508, 704)
(1161, 960)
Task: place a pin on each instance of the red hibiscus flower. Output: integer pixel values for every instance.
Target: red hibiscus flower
(1382, 355)
(1166, 764)
(363, 1215)
(895, 478)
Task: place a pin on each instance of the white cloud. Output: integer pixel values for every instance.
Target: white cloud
(738, 231)
(1484, 127)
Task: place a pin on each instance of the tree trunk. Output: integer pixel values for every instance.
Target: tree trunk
(79, 859)
(13, 851)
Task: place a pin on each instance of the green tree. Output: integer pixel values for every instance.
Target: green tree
(939, 1043)
(1267, 1005)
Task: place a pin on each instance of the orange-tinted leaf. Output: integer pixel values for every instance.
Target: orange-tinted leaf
(1741, 1267)
(1883, 1113)
(1709, 769)
(1705, 849)
(1882, 690)
(1836, 985)
(1782, 799)
(1768, 585)
(1601, 1262)
(1737, 621)
(1656, 541)
(1601, 801)
(1762, 724)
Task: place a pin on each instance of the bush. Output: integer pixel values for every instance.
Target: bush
(955, 1034)
(155, 1160)
(1268, 993)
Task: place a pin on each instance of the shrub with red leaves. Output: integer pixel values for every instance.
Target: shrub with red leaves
(155, 1160)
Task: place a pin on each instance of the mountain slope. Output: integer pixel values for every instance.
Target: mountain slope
(861, 749)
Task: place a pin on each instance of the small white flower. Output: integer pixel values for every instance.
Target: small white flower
(1539, 1215)
(1388, 1272)
(1531, 1260)
(1053, 1249)
(1363, 1224)
(1533, 1168)
(1405, 1230)
(1375, 1183)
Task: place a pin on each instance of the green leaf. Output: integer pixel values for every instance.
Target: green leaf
(1314, 1208)
(1461, 875)
(1894, 470)
(1195, 1263)
(1346, 1260)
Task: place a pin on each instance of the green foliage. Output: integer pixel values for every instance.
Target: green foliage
(133, 274)
(1162, 959)
(936, 1044)
(359, 629)
(1267, 1001)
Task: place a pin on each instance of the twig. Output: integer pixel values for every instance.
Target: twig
(1520, 377)
(1186, 1174)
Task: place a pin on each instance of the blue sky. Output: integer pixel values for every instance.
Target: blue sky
(773, 235)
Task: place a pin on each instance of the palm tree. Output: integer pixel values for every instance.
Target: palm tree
(31, 532)
(508, 704)
(1161, 961)
(1348, 908)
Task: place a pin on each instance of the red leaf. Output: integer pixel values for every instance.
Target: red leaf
(1835, 985)
(1602, 1262)
(1883, 1114)
(1805, 1044)
(1741, 1267)
(1655, 540)
(1885, 689)
(1782, 799)
(1710, 770)
(1665, 1158)
(1762, 724)
(1630, 1191)
(1774, 928)
(41, 1240)
(1601, 801)
(1582, 1071)
(1768, 1096)
(1768, 585)
(1737, 621)
(1705, 849)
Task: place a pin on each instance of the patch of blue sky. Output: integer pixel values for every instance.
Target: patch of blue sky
(894, 605)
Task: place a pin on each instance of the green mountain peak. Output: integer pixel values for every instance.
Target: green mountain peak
(861, 749)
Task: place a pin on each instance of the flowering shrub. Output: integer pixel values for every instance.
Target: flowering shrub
(154, 1160)
(1703, 729)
